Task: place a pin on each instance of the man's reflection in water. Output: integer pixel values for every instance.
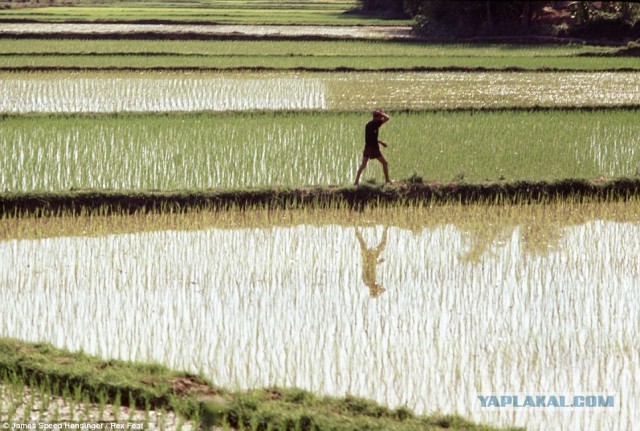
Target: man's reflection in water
(370, 260)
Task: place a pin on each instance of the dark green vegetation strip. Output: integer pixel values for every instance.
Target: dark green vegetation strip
(351, 48)
(337, 55)
(52, 370)
(409, 192)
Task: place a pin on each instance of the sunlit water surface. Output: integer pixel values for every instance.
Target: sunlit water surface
(158, 93)
(152, 91)
(419, 318)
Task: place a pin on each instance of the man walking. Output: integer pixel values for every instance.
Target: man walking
(372, 145)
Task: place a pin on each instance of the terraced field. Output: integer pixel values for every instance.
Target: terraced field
(417, 304)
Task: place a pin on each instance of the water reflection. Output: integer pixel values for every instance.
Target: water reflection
(370, 261)
(253, 307)
(537, 236)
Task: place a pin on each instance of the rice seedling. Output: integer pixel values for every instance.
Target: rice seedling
(236, 151)
(117, 405)
(26, 415)
(28, 404)
(102, 402)
(499, 279)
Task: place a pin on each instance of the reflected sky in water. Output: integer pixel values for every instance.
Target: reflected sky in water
(423, 318)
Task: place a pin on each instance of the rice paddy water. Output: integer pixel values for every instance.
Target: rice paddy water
(161, 93)
(86, 92)
(461, 301)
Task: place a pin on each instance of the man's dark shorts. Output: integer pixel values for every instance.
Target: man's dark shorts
(372, 152)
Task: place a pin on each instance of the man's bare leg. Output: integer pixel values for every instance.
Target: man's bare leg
(363, 165)
(385, 168)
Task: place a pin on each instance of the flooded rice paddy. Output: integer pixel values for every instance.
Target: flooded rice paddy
(341, 31)
(86, 92)
(459, 301)
(78, 94)
(240, 150)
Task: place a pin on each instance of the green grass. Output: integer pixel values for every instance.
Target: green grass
(275, 62)
(54, 371)
(235, 151)
(335, 5)
(320, 55)
(229, 12)
(309, 48)
(166, 210)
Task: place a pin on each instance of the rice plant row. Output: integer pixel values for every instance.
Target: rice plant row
(39, 404)
(247, 150)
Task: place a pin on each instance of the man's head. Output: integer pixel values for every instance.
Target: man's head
(377, 113)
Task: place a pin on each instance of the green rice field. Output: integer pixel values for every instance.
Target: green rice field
(477, 292)
(328, 12)
(199, 151)
(420, 306)
(276, 48)
(319, 55)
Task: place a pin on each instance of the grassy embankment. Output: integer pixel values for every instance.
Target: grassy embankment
(403, 193)
(85, 378)
(505, 154)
